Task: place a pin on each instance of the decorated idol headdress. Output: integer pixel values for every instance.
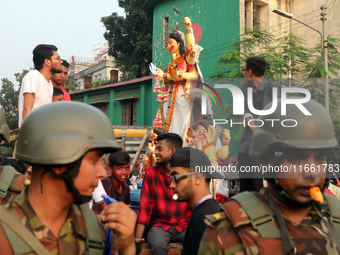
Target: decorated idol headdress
(177, 31)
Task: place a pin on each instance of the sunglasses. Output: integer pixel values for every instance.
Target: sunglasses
(176, 178)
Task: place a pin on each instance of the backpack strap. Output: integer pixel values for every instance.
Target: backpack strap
(260, 217)
(94, 243)
(6, 176)
(334, 208)
(212, 220)
(21, 239)
(334, 219)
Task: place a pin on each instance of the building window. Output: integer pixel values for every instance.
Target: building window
(246, 14)
(252, 14)
(102, 107)
(129, 113)
(256, 16)
(100, 76)
(165, 32)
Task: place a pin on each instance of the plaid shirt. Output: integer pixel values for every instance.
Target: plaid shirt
(156, 205)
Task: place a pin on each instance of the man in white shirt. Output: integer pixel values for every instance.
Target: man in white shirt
(36, 88)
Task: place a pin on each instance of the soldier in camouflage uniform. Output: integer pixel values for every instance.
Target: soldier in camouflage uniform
(13, 187)
(4, 128)
(11, 182)
(284, 219)
(64, 143)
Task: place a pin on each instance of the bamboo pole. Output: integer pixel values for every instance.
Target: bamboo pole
(141, 145)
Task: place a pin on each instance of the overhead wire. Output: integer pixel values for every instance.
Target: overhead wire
(330, 8)
(222, 49)
(206, 51)
(296, 17)
(331, 4)
(304, 25)
(211, 57)
(294, 26)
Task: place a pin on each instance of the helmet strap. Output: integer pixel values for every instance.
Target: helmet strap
(280, 190)
(67, 176)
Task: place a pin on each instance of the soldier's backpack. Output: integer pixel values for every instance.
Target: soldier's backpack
(261, 218)
(11, 183)
(23, 241)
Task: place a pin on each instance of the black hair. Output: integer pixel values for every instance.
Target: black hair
(42, 52)
(257, 65)
(173, 139)
(177, 37)
(18, 165)
(119, 158)
(65, 63)
(57, 91)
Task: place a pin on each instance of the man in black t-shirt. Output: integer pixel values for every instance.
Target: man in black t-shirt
(193, 187)
(115, 185)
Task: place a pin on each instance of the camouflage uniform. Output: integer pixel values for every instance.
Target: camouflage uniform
(71, 238)
(16, 186)
(238, 236)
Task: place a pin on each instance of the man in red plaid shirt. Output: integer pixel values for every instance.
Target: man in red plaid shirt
(165, 218)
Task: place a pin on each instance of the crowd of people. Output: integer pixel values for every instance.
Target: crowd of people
(51, 214)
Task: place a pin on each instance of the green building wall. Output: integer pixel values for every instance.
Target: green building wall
(107, 95)
(220, 23)
(219, 20)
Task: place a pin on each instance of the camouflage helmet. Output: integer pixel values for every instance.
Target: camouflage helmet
(313, 131)
(62, 132)
(4, 128)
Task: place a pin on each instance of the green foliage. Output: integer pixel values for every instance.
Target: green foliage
(294, 55)
(100, 82)
(20, 76)
(129, 73)
(6, 151)
(129, 38)
(9, 98)
(71, 83)
(315, 68)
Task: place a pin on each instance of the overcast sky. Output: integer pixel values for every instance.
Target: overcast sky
(72, 25)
